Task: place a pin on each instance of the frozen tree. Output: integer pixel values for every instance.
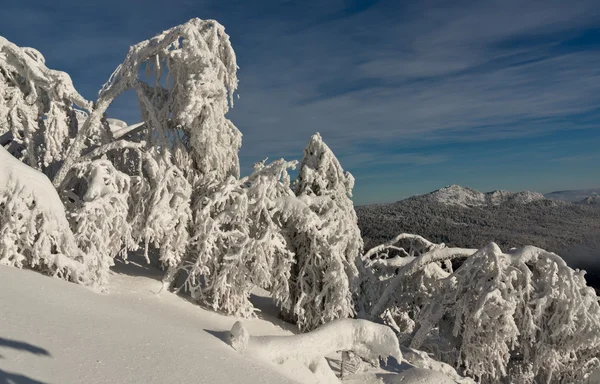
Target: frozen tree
(188, 104)
(238, 241)
(162, 209)
(38, 118)
(34, 231)
(368, 340)
(327, 242)
(188, 146)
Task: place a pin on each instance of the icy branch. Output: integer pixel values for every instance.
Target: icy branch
(120, 144)
(130, 128)
(33, 62)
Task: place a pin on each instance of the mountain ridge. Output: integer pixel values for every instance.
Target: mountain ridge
(469, 197)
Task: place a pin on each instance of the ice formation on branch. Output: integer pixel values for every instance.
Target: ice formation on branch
(37, 114)
(327, 242)
(34, 231)
(368, 340)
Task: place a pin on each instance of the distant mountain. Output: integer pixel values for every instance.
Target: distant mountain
(573, 196)
(464, 217)
(468, 197)
(591, 200)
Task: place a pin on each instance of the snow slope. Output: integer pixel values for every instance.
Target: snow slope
(55, 332)
(52, 331)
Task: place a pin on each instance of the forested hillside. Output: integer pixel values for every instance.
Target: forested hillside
(571, 230)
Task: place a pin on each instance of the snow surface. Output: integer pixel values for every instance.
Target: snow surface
(58, 332)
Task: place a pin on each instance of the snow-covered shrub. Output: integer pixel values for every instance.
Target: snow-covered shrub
(522, 316)
(326, 241)
(366, 339)
(238, 242)
(34, 231)
(100, 216)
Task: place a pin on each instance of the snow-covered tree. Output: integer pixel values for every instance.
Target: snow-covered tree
(100, 216)
(522, 316)
(188, 145)
(327, 242)
(238, 242)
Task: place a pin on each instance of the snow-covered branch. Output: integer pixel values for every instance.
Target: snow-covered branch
(366, 339)
(29, 63)
(432, 253)
(119, 144)
(37, 107)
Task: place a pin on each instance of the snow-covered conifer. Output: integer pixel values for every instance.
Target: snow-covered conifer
(328, 245)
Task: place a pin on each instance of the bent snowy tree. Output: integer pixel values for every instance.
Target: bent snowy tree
(534, 318)
(185, 143)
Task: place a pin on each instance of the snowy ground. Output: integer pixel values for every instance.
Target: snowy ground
(52, 331)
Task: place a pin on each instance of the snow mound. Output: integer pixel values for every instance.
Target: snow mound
(34, 231)
(417, 376)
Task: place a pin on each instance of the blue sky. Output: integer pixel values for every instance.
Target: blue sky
(410, 95)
